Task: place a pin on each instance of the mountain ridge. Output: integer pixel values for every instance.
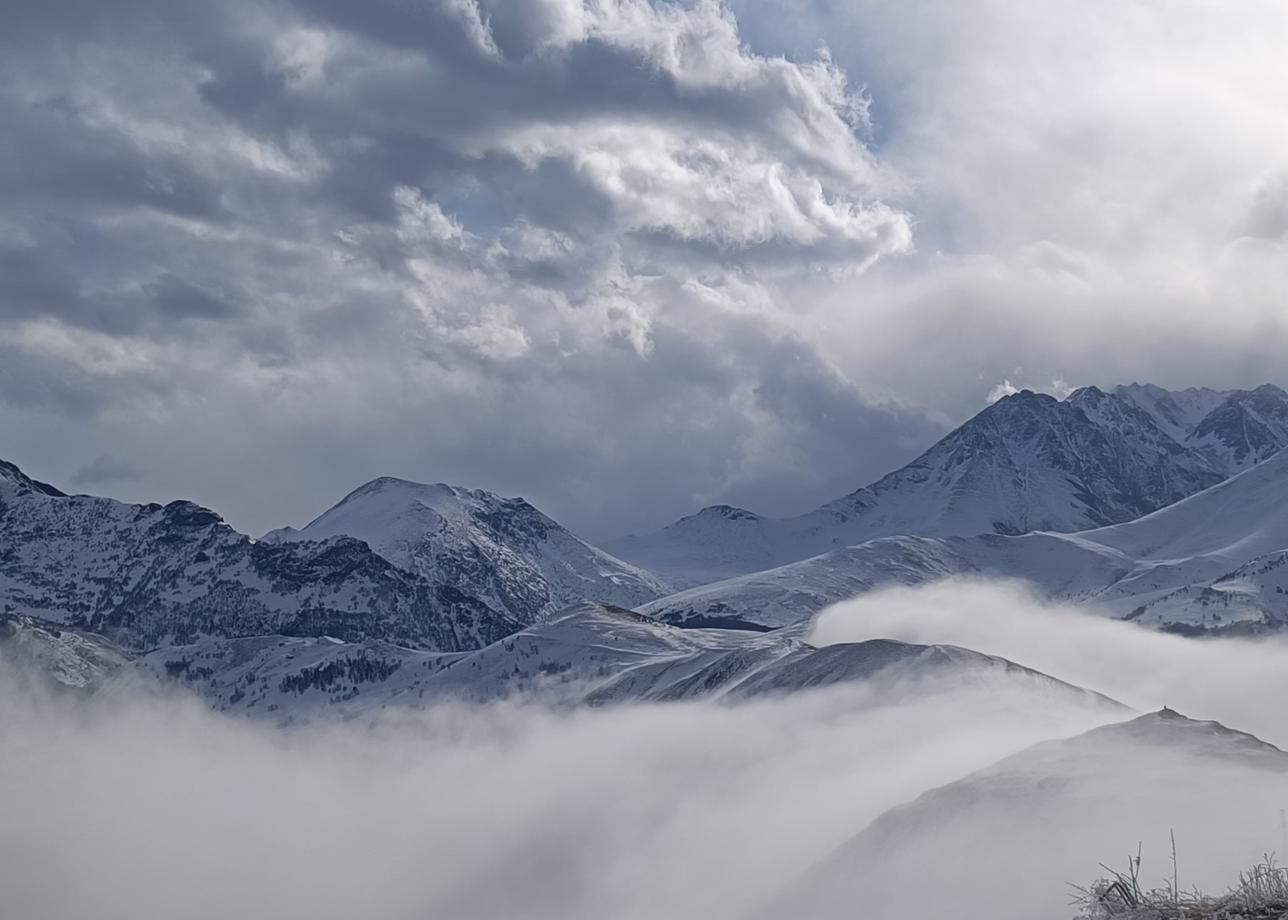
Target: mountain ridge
(1028, 462)
(1216, 560)
(154, 574)
(591, 654)
(503, 550)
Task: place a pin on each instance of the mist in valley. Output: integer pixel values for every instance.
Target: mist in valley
(682, 810)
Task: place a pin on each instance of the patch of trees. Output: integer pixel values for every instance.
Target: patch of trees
(357, 670)
(182, 667)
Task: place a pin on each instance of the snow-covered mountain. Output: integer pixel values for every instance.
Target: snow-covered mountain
(1214, 560)
(1028, 462)
(1055, 812)
(502, 550)
(150, 574)
(437, 568)
(1234, 429)
(593, 654)
(1055, 564)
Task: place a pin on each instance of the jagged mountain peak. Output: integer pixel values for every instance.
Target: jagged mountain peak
(149, 574)
(504, 550)
(1215, 560)
(10, 473)
(1027, 462)
(1246, 428)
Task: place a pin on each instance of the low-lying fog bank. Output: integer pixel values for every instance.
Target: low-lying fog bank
(139, 803)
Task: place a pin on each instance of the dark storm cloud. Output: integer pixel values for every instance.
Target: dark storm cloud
(54, 157)
(32, 284)
(535, 247)
(609, 255)
(105, 469)
(176, 297)
(44, 384)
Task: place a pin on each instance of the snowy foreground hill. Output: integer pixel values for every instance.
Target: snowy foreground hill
(1067, 801)
(1029, 462)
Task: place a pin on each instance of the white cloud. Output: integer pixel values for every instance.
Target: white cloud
(620, 188)
(1243, 679)
(1078, 178)
(560, 278)
(126, 801)
(132, 804)
(1057, 388)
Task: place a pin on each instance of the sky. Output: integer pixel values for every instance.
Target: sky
(622, 257)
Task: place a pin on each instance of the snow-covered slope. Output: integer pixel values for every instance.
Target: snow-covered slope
(1053, 813)
(1178, 412)
(1209, 561)
(57, 658)
(1057, 565)
(592, 654)
(1234, 520)
(1028, 462)
(1246, 428)
(502, 550)
(150, 574)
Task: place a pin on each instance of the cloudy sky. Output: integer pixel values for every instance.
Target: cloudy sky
(622, 257)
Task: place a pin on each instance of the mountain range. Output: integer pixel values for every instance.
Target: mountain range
(592, 654)
(1217, 560)
(1156, 505)
(148, 575)
(1029, 462)
(1160, 507)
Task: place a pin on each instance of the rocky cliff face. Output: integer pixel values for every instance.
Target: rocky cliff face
(152, 574)
(502, 550)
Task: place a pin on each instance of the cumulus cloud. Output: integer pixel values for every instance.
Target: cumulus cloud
(390, 238)
(517, 246)
(1057, 388)
(1095, 192)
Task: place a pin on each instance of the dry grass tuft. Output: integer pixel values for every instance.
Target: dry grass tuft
(1261, 894)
